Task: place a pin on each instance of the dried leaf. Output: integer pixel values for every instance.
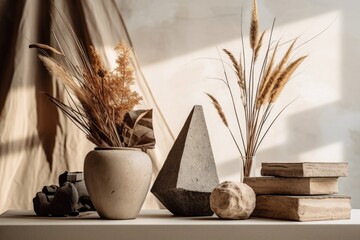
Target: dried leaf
(138, 129)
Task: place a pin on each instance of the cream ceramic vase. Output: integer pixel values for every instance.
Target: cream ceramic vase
(118, 180)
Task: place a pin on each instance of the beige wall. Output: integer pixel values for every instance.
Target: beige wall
(324, 122)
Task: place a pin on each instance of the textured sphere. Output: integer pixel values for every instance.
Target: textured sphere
(233, 200)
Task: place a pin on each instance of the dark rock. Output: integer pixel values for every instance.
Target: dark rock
(68, 199)
(63, 178)
(188, 176)
(40, 201)
(81, 188)
(85, 204)
(75, 177)
(50, 190)
(70, 177)
(50, 197)
(64, 202)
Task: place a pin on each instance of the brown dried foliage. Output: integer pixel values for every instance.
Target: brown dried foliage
(99, 101)
(104, 96)
(109, 96)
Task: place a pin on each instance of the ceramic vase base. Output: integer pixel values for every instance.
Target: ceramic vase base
(118, 181)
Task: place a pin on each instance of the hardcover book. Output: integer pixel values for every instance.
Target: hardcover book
(305, 169)
(293, 186)
(303, 208)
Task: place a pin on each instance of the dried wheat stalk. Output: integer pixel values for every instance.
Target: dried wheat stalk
(254, 27)
(258, 94)
(218, 109)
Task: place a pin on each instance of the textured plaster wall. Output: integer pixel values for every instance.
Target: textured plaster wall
(174, 38)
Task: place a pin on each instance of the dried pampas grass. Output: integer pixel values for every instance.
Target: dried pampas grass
(258, 92)
(254, 27)
(219, 109)
(100, 101)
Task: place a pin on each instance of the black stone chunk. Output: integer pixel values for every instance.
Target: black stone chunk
(50, 190)
(67, 200)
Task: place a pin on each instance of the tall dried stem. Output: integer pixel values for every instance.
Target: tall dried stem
(258, 90)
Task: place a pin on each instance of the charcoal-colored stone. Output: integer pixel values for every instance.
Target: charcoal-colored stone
(50, 190)
(188, 176)
(40, 201)
(63, 203)
(85, 204)
(68, 199)
(63, 178)
(75, 176)
(50, 197)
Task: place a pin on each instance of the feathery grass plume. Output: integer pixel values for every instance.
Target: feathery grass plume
(112, 89)
(59, 72)
(97, 65)
(219, 109)
(254, 27)
(286, 57)
(259, 86)
(265, 80)
(284, 78)
(238, 68)
(258, 45)
(276, 73)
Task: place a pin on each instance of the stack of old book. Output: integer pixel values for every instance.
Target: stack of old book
(300, 191)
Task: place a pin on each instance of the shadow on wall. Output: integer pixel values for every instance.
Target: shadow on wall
(47, 114)
(9, 23)
(22, 145)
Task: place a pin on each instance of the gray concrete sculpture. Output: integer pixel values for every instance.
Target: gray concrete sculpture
(188, 176)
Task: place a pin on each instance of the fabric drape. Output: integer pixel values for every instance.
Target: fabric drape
(37, 142)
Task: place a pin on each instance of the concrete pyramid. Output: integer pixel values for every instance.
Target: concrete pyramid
(188, 176)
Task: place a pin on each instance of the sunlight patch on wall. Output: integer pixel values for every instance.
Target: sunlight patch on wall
(329, 153)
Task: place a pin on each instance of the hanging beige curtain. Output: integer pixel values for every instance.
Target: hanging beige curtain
(37, 142)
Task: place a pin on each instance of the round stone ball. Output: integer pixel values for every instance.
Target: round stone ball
(233, 200)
